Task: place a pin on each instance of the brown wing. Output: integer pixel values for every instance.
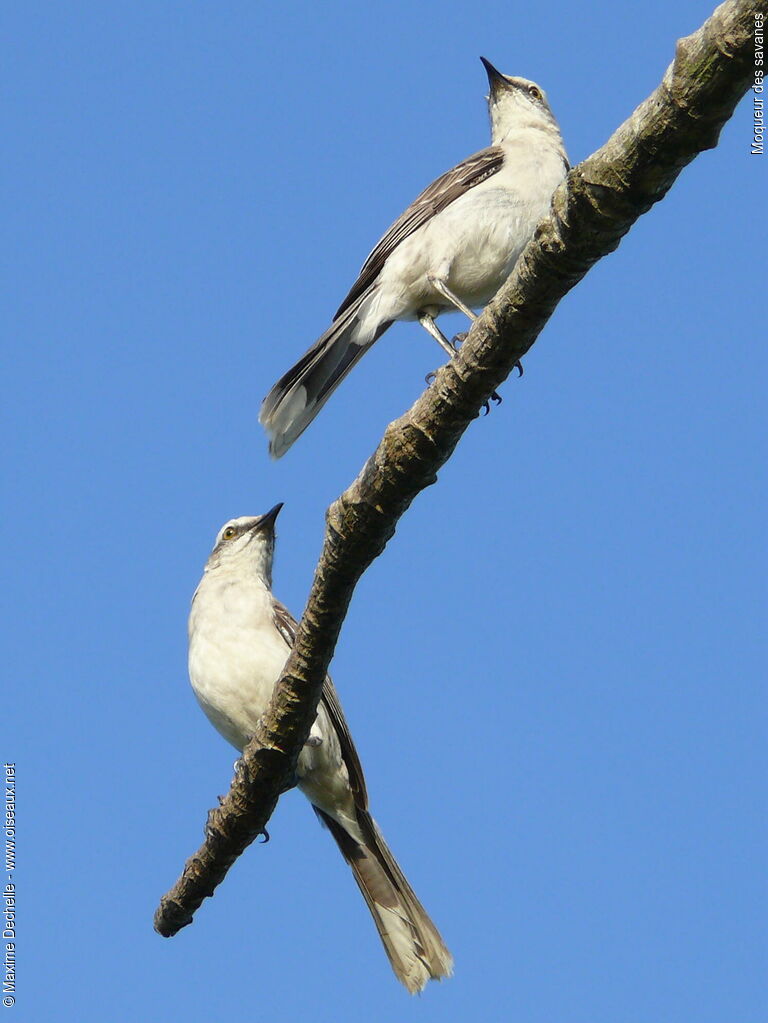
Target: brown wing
(436, 197)
(287, 625)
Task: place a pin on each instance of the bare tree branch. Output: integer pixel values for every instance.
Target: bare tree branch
(596, 206)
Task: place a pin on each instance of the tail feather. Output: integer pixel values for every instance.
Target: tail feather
(300, 393)
(412, 942)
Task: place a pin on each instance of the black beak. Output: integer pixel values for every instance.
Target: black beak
(268, 521)
(495, 78)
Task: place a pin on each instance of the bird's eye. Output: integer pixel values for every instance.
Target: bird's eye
(229, 533)
(534, 92)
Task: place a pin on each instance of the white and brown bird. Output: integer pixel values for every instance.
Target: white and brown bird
(452, 248)
(239, 640)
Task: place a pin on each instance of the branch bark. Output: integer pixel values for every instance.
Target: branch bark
(591, 212)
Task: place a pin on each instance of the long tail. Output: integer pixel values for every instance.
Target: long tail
(300, 393)
(412, 942)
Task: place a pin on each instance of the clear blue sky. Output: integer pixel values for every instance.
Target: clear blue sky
(553, 673)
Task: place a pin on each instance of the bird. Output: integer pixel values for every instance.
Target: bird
(239, 639)
(451, 249)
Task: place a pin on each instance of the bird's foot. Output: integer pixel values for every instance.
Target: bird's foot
(495, 397)
(458, 340)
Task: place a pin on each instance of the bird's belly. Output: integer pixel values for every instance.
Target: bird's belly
(486, 237)
(233, 675)
(472, 245)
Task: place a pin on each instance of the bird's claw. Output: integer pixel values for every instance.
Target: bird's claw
(519, 367)
(458, 340)
(263, 834)
(430, 377)
(496, 398)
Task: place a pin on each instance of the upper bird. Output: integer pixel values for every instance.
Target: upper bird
(239, 639)
(452, 248)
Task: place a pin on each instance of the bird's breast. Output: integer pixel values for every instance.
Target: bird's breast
(235, 657)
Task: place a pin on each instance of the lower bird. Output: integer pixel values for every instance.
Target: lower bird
(239, 639)
(451, 249)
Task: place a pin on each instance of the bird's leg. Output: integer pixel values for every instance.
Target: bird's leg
(428, 323)
(442, 288)
(427, 320)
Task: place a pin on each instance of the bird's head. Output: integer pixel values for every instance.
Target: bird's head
(246, 543)
(515, 104)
